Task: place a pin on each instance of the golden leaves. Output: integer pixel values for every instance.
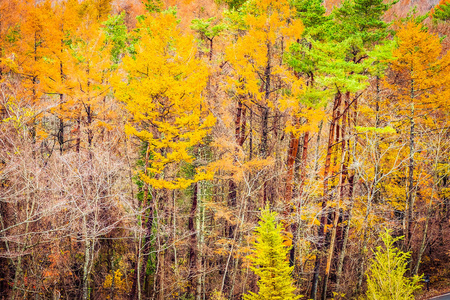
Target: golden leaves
(162, 89)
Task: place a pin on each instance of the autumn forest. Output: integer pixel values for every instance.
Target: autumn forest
(224, 149)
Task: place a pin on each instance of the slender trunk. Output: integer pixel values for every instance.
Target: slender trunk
(4, 262)
(424, 235)
(78, 130)
(193, 255)
(61, 100)
(146, 249)
(264, 108)
(263, 150)
(111, 268)
(351, 181)
(377, 144)
(87, 262)
(323, 213)
(161, 258)
(303, 163)
(265, 132)
(19, 272)
(174, 230)
(210, 49)
(136, 290)
(200, 224)
(316, 164)
(250, 137)
(265, 120)
(330, 255)
(346, 232)
(17, 275)
(336, 219)
(239, 128)
(90, 133)
(363, 249)
(428, 216)
(292, 154)
(411, 191)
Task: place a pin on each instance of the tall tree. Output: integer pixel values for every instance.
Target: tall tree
(421, 82)
(162, 90)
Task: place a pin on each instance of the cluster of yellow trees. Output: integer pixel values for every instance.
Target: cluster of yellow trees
(135, 155)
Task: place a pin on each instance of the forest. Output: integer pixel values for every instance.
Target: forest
(224, 149)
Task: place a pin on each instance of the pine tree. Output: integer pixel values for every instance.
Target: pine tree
(269, 260)
(385, 277)
(442, 12)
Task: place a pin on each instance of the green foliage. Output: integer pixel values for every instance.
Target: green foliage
(117, 36)
(232, 4)
(414, 17)
(312, 14)
(269, 261)
(386, 276)
(153, 5)
(442, 13)
(339, 52)
(362, 20)
(206, 29)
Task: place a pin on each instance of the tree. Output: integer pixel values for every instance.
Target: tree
(208, 31)
(270, 261)
(162, 90)
(163, 94)
(261, 80)
(442, 11)
(421, 85)
(338, 57)
(385, 277)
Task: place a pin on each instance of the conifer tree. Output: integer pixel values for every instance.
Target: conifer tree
(385, 277)
(442, 12)
(270, 261)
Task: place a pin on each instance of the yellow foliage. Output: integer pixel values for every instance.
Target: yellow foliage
(116, 280)
(271, 28)
(162, 89)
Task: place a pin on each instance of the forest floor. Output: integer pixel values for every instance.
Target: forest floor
(440, 288)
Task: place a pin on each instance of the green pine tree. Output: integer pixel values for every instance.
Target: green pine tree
(386, 276)
(442, 13)
(269, 261)
(314, 17)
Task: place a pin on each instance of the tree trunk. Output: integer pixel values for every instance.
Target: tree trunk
(239, 136)
(87, 260)
(345, 239)
(411, 190)
(193, 255)
(139, 270)
(292, 154)
(342, 178)
(428, 215)
(323, 214)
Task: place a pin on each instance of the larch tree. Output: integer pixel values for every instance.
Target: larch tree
(386, 274)
(261, 80)
(162, 90)
(270, 260)
(421, 86)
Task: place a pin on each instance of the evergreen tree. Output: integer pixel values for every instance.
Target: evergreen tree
(385, 277)
(313, 15)
(270, 261)
(442, 12)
